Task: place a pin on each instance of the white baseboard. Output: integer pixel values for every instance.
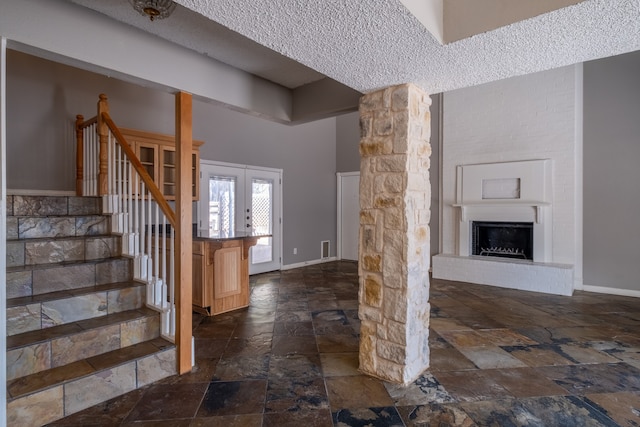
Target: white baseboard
(306, 263)
(15, 192)
(611, 291)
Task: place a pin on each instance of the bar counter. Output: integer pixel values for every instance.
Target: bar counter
(221, 272)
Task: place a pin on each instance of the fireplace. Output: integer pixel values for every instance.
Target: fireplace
(502, 231)
(502, 239)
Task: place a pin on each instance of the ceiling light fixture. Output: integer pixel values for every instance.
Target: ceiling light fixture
(154, 9)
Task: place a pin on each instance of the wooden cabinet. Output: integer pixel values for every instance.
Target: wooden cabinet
(221, 274)
(157, 153)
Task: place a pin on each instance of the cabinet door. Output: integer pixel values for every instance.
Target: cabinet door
(195, 175)
(227, 272)
(198, 284)
(148, 155)
(168, 173)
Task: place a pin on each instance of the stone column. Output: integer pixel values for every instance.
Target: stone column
(394, 233)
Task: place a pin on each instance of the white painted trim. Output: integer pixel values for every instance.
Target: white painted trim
(3, 229)
(15, 192)
(440, 168)
(307, 263)
(578, 177)
(611, 291)
(239, 166)
(339, 176)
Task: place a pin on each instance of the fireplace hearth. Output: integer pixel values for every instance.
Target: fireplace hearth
(502, 239)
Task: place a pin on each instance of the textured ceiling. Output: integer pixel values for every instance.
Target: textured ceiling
(370, 44)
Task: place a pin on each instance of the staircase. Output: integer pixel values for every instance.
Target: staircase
(78, 331)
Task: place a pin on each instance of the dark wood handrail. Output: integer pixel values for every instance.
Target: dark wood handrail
(146, 178)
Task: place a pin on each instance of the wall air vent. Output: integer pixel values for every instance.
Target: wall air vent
(325, 249)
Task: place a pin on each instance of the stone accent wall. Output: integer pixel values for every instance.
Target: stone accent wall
(394, 233)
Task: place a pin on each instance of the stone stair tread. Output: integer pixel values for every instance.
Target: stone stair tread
(69, 293)
(57, 238)
(44, 379)
(41, 335)
(31, 267)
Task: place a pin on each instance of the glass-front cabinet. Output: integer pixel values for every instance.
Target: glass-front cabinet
(157, 153)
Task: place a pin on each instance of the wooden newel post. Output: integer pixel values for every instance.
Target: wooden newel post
(103, 134)
(79, 154)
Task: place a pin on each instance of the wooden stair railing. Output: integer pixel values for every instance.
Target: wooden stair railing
(107, 166)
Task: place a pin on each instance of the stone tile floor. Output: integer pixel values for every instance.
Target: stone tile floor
(498, 358)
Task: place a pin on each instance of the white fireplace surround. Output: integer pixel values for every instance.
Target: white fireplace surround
(518, 191)
(506, 192)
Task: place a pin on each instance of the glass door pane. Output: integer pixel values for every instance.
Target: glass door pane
(262, 219)
(222, 205)
(263, 191)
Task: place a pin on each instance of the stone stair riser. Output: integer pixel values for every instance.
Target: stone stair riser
(75, 276)
(40, 315)
(29, 282)
(25, 252)
(45, 355)
(52, 205)
(51, 227)
(62, 400)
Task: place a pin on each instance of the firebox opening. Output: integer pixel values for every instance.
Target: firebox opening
(502, 239)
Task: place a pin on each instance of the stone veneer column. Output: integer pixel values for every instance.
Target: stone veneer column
(394, 255)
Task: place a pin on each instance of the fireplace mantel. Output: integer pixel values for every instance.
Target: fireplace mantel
(506, 192)
(537, 206)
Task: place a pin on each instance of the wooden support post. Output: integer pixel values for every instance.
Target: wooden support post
(79, 155)
(103, 133)
(184, 229)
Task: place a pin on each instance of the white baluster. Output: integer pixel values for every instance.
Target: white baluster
(156, 260)
(113, 198)
(130, 235)
(150, 295)
(136, 214)
(85, 161)
(164, 262)
(116, 217)
(172, 273)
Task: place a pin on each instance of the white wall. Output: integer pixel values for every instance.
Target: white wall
(522, 118)
(611, 173)
(44, 97)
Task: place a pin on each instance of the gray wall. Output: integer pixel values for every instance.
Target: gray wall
(44, 97)
(434, 171)
(611, 174)
(347, 142)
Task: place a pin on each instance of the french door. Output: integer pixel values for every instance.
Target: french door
(237, 200)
